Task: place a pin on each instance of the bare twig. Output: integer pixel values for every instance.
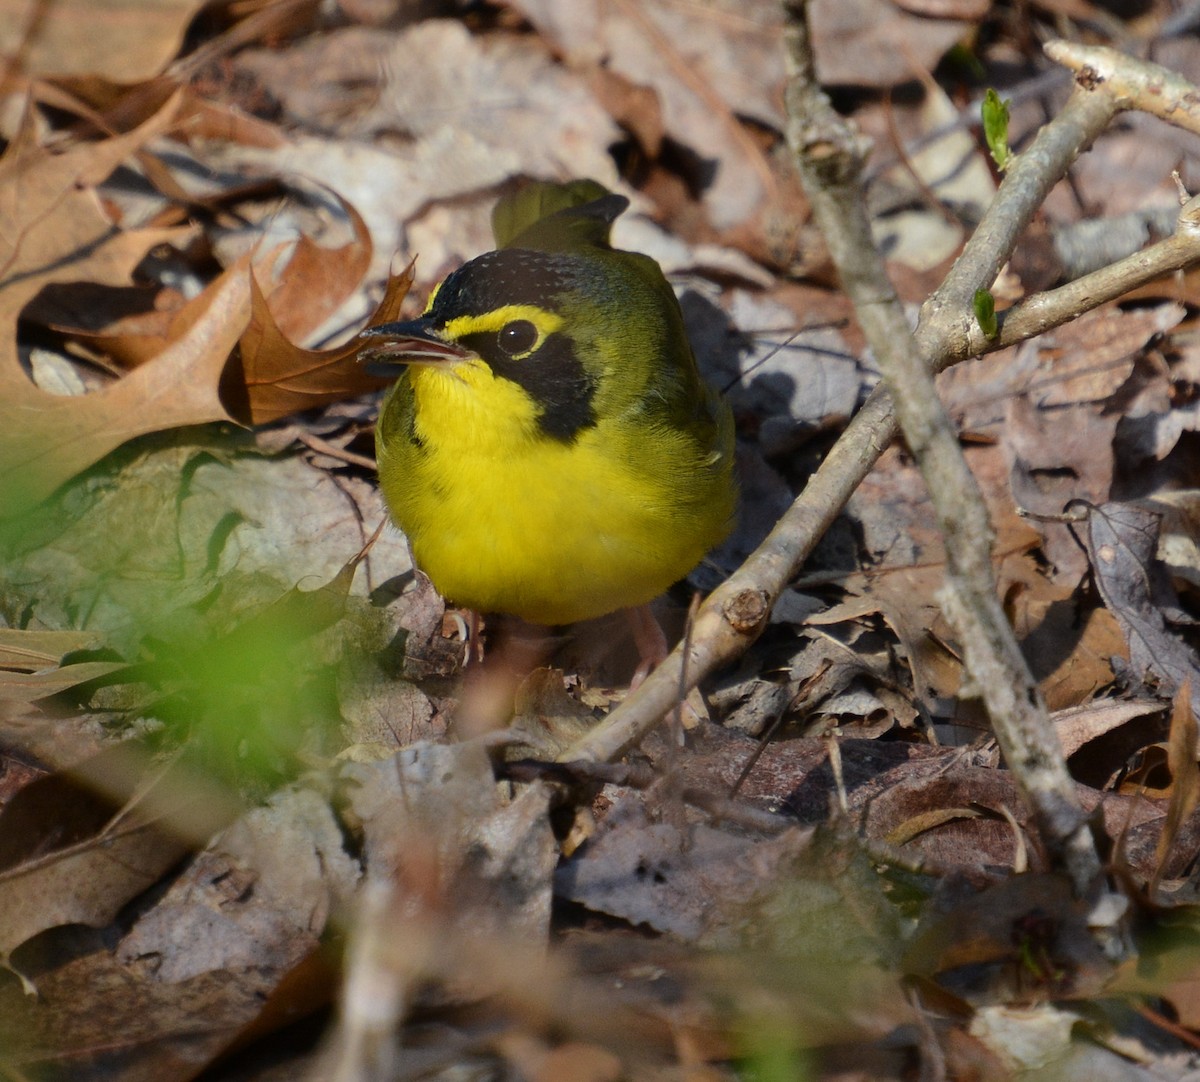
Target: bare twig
(830, 159)
(737, 611)
(1131, 84)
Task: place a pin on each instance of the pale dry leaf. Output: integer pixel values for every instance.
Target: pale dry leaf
(54, 227)
(1121, 541)
(791, 383)
(435, 822)
(55, 231)
(380, 712)
(653, 873)
(876, 43)
(1026, 1038)
(22, 687)
(1160, 415)
(472, 113)
(125, 41)
(947, 9)
(707, 63)
(46, 440)
(258, 898)
(30, 650)
(1077, 725)
(1179, 539)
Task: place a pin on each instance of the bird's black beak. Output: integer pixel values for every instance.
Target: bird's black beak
(391, 347)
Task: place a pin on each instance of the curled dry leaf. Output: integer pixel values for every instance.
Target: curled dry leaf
(317, 280)
(72, 855)
(56, 232)
(19, 687)
(1078, 725)
(307, 289)
(281, 378)
(59, 234)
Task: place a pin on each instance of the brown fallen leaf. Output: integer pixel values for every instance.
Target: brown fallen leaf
(275, 377)
(129, 341)
(877, 43)
(317, 280)
(97, 1017)
(57, 437)
(281, 378)
(71, 856)
(1078, 725)
(1091, 357)
(60, 234)
(1069, 643)
(306, 290)
(258, 897)
(684, 53)
(57, 232)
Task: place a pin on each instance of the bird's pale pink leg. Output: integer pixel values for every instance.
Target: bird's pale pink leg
(650, 640)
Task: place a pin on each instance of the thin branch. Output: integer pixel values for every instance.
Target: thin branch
(830, 160)
(1131, 84)
(737, 611)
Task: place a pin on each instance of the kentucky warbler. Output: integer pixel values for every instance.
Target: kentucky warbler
(549, 447)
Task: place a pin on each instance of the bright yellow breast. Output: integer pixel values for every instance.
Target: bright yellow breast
(505, 519)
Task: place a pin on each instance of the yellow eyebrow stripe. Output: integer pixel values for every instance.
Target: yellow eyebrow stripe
(545, 321)
(433, 297)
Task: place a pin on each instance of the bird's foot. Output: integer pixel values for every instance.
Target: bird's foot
(650, 639)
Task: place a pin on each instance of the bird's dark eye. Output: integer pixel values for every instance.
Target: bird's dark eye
(516, 337)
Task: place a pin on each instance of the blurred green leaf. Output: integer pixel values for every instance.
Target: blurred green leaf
(772, 1056)
(171, 569)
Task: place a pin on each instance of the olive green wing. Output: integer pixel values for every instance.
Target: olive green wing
(552, 217)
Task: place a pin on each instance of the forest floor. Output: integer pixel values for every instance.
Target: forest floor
(242, 835)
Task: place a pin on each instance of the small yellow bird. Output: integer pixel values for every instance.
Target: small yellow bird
(550, 448)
